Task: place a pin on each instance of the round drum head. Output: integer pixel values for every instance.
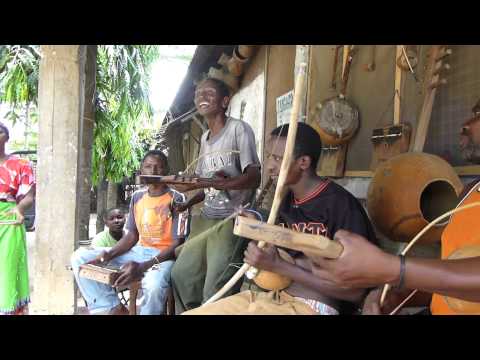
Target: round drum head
(338, 120)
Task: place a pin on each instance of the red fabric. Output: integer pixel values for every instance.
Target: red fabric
(16, 179)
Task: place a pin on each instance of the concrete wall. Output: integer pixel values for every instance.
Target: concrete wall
(251, 97)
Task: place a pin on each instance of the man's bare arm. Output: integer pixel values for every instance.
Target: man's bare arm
(363, 264)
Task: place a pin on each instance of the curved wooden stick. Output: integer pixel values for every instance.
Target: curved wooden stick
(387, 287)
(279, 191)
(404, 302)
(287, 158)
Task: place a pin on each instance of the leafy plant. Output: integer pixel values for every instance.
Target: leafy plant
(122, 109)
(122, 104)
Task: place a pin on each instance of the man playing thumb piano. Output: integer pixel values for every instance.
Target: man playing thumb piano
(312, 205)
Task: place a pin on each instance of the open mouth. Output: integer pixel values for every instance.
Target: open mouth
(203, 105)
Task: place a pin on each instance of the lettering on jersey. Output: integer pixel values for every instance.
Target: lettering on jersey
(216, 162)
(314, 228)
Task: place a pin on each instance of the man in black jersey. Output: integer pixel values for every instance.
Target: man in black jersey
(313, 205)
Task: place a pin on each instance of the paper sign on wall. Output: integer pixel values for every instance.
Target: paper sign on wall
(284, 108)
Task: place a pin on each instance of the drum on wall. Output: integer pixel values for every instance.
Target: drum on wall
(410, 190)
(336, 120)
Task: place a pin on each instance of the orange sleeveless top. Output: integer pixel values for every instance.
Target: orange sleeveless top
(461, 231)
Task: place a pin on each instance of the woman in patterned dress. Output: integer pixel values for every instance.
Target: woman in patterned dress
(17, 191)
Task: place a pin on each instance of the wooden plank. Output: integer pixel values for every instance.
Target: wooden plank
(303, 55)
(346, 52)
(359, 173)
(460, 170)
(98, 273)
(311, 245)
(390, 145)
(398, 88)
(332, 162)
(426, 112)
(309, 84)
(467, 170)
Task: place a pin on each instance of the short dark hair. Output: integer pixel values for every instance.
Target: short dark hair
(307, 142)
(107, 212)
(222, 88)
(159, 154)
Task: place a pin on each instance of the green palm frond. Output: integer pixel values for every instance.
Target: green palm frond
(122, 88)
(122, 100)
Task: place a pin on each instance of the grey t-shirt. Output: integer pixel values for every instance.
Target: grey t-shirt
(237, 135)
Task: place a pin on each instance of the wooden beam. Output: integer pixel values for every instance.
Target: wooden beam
(467, 170)
(398, 87)
(460, 170)
(346, 52)
(332, 161)
(359, 173)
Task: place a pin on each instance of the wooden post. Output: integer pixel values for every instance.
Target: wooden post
(87, 141)
(303, 55)
(398, 88)
(61, 107)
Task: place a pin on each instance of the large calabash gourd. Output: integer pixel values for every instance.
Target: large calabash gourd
(410, 190)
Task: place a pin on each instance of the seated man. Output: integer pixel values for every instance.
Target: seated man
(362, 264)
(114, 220)
(158, 231)
(313, 205)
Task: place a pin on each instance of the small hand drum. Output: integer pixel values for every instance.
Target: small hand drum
(336, 121)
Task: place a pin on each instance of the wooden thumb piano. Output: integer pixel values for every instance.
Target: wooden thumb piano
(103, 274)
(107, 274)
(313, 246)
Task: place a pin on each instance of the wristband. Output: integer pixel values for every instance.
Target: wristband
(402, 272)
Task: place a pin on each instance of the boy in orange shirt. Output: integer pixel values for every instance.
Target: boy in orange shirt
(158, 232)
